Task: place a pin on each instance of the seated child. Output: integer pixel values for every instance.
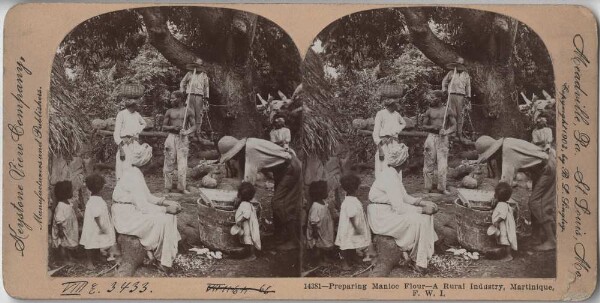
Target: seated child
(246, 220)
(280, 134)
(319, 233)
(65, 229)
(98, 231)
(504, 227)
(353, 232)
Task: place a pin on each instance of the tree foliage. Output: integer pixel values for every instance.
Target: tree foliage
(110, 49)
(365, 50)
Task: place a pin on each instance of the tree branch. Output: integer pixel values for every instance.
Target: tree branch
(425, 40)
(161, 38)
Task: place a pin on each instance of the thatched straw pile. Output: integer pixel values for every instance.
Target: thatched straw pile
(67, 122)
(320, 134)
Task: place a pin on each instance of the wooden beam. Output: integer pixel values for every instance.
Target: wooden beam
(411, 133)
(155, 134)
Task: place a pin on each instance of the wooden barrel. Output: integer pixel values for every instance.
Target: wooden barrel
(214, 227)
(472, 228)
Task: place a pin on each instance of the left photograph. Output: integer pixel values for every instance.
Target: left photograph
(175, 135)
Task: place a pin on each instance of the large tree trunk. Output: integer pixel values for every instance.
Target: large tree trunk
(495, 111)
(233, 110)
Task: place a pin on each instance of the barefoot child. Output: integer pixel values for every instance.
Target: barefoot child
(98, 231)
(504, 227)
(352, 233)
(65, 229)
(246, 220)
(319, 233)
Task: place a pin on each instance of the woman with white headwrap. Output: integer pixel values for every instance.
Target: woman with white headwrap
(136, 212)
(393, 212)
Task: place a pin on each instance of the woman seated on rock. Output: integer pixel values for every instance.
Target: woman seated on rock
(392, 212)
(136, 212)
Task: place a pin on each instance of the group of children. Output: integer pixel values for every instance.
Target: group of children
(97, 234)
(353, 236)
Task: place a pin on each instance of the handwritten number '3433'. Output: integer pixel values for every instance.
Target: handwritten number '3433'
(77, 288)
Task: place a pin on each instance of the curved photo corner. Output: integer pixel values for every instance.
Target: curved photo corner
(435, 130)
(140, 183)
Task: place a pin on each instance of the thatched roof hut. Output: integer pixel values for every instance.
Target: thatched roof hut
(67, 134)
(320, 134)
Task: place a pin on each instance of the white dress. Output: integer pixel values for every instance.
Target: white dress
(386, 124)
(347, 236)
(392, 213)
(127, 124)
(91, 238)
(135, 213)
(320, 216)
(65, 215)
(246, 213)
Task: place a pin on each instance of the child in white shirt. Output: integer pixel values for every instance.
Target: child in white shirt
(98, 232)
(319, 233)
(504, 227)
(353, 232)
(246, 220)
(65, 229)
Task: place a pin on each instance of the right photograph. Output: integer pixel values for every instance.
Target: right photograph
(431, 147)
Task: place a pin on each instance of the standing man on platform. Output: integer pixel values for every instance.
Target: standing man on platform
(195, 85)
(457, 83)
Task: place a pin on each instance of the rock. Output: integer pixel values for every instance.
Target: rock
(209, 182)
(388, 255)
(132, 255)
(149, 122)
(110, 123)
(469, 182)
(200, 170)
(98, 124)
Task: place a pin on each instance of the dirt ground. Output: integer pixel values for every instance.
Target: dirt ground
(527, 263)
(269, 262)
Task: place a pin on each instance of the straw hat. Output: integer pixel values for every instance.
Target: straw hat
(229, 146)
(458, 64)
(486, 146)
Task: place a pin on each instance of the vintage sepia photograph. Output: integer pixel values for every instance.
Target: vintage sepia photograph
(437, 153)
(174, 141)
(300, 151)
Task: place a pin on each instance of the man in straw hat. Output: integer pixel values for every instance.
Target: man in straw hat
(393, 212)
(253, 155)
(519, 155)
(457, 83)
(440, 122)
(128, 126)
(388, 125)
(177, 142)
(195, 85)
